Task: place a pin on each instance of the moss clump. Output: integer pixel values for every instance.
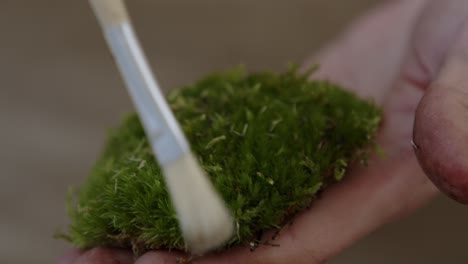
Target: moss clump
(270, 143)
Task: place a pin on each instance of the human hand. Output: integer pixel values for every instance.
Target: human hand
(397, 54)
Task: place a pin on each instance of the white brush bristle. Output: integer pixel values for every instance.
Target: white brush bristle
(203, 217)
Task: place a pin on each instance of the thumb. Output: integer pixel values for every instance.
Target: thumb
(441, 124)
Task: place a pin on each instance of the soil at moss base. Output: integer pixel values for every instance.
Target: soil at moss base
(269, 142)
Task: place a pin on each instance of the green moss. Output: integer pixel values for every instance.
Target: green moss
(270, 143)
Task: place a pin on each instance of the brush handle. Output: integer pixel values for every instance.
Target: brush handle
(163, 131)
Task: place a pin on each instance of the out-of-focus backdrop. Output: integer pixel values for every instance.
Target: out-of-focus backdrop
(60, 92)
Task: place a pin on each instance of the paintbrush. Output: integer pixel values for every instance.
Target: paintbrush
(203, 217)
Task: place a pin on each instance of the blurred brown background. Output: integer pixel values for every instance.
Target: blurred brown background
(59, 92)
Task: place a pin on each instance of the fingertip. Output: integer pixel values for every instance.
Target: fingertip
(440, 131)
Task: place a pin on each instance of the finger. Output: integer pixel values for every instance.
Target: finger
(346, 213)
(366, 59)
(105, 256)
(441, 122)
(70, 256)
(441, 127)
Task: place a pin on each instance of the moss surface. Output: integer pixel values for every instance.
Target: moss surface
(270, 143)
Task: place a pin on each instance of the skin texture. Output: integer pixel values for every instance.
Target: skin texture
(410, 56)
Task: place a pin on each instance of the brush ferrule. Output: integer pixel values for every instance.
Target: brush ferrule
(162, 129)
